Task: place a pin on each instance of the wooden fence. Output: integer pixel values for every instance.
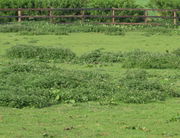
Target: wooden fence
(175, 18)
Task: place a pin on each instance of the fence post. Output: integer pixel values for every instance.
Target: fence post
(19, 15)
(146, 14)
(50, 15)
(113, 14)
(175, 19)
(83, 13)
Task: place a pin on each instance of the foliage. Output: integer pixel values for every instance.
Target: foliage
(115, 4)
(99, 56)
(138, 88)
(165, 4)
(41, 53)
(142, 59)
(40, 85)
(70, 4)
(45, 28)
(133, 59)
(39, 4)
(36, 85)
(177, 52)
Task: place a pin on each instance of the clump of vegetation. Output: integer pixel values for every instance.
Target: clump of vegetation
(40, 85)
(37, 85)
(45, 28)
(174, 119)
(41, 53)
(177, 52)
(133, 59)
(142, 59)
(137, 87)
(100, 56)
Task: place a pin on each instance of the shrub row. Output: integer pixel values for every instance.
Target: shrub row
(71, 4)
(133, 59)
(40, 85)
(165, 4)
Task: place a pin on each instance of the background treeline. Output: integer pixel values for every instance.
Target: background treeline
(165, 4)
(162, 4)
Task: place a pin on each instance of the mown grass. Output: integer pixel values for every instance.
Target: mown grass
(81, 43)
(93, 120)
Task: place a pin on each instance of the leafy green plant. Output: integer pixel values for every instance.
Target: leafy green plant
(45, 28)
(142, 59)
(40, 85)
(136, 87)
(41, 53)
(37, 85)
(99, 56)
(177, 52)
(165, 4)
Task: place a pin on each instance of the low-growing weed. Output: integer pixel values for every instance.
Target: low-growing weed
(133, 59)
(142, 59)
(45, 28)
(99, 56)
(174, 119)
(177, 52)
(137, 87)
(41, 53)
(39, 85)
(49, 85)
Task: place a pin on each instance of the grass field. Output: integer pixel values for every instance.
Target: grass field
(94, 119)
(85, 42)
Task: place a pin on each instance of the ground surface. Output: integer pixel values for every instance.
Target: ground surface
(92, 119)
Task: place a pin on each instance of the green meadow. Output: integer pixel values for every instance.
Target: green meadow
(69, 118)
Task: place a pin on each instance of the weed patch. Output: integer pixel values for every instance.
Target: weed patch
(49, 85)
(40, 85)
(147, 60)
(133, 59)
(99, 56)
(45, 28)
(137, 87)
(41, 53)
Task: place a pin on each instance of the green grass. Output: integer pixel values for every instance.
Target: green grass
(85, 42)
(93, 120)
(142, 2)
(152, 120)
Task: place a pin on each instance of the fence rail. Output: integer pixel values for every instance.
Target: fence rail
(113, 16)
